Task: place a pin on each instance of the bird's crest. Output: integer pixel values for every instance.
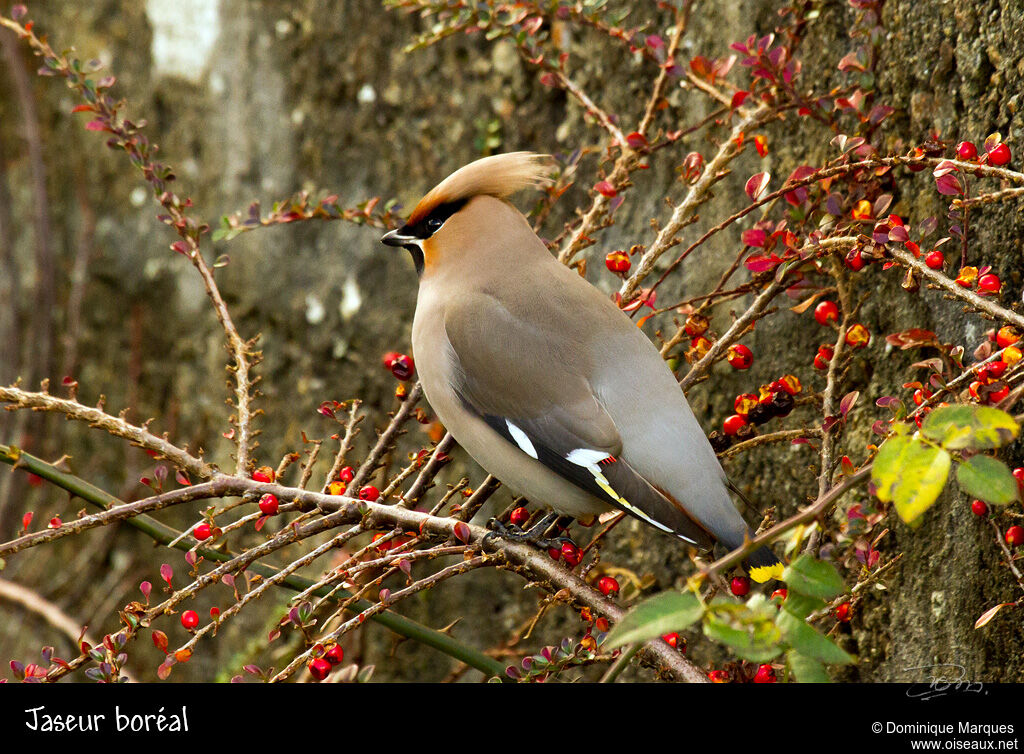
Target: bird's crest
(499, 175)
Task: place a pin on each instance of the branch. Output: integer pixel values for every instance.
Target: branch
(812, 512)
(117, 426)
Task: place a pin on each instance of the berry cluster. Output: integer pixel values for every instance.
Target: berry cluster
(773, 400)
(1014, 535)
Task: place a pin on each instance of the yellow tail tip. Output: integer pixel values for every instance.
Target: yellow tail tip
(762, 574)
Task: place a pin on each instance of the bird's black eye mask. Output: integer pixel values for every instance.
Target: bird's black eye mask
(411, 237)
(432, 223)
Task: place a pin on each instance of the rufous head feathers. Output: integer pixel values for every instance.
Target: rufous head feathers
(500, 175)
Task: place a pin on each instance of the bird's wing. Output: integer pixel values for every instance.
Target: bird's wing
(529, 385)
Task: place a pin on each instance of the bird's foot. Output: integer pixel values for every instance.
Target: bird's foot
(534, 535)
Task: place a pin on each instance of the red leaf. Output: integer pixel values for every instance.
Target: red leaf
(550, 79)
(989, 614)
(462, 532)
(757, 184)
(948, 185)
(738, 99)
(160, 641)
(636, 140)
(848, 401)
(754, 237)
(763, 262)
(96, 125)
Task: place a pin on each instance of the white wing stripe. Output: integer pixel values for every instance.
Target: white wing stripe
(521, 439)
(589, 459)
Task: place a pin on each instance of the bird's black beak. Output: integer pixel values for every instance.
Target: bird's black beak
(397, 238)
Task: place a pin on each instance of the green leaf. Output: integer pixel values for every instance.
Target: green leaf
(814, 578)
(974, 427)
(654, 617)
(748, 630)
(226, 234)
(806, 669)
(910, 474)
(801, 605)
(987, 478)
(808, 641)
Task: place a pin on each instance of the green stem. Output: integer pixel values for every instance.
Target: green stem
(165, 535)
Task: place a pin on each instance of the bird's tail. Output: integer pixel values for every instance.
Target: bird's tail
(763, 565)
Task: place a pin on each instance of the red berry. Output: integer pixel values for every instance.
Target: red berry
(857, 336)
(618, 262)
(978, 508)
(214, 613)
(572, 554)
(788, 383)
(608, 586)
(935, 259)
(268, 505)
(719, 676)
(826, 312)
(993, 370)
(555, 553)
(843, 612)
(263, 474)
(190, 619)
(335, 655)
(780, 594)
(967, 277)
(402, 367)
(203, 531)
(696, 324)
(855, 261)
(995, 396)
(999, 155)
(672, 640)
(824, 357)
(989, 283)
(744, 402)
(700, 346)
(369, 493)
(1018, 474)
(346, 474)
(920, 396)
(862, 210)
(765, 674)
(966, 150)
(975, 389)
(1007, 336)
(1015, 536)
(739, 356)
(319, 668)
(740, 586)
(519, 516)
(733, 424)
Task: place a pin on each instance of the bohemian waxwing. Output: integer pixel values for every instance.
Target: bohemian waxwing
(543, 379)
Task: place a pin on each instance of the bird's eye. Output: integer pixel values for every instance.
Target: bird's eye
(434, 223)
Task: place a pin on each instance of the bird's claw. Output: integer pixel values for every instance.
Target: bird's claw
(534, 535)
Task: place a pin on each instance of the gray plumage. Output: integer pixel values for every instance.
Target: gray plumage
(545, 382)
